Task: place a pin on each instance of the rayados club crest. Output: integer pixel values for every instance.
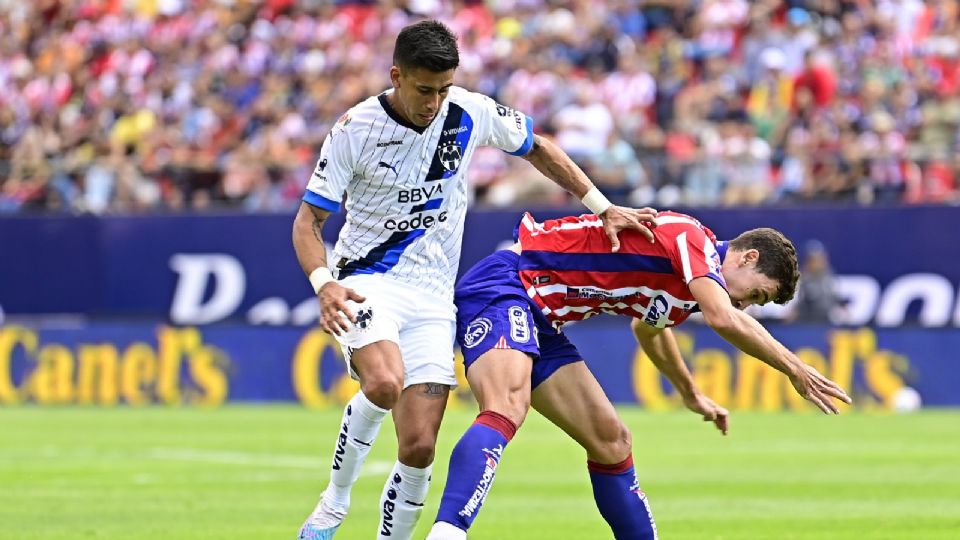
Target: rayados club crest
(450, 155)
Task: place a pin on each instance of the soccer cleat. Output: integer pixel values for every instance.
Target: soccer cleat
(309, 533)
(445, 531)
(322, 523)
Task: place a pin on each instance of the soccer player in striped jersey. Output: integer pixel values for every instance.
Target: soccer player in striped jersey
(401, 158)
(512, 305)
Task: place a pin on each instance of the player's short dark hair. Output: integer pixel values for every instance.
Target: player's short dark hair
(427, 44)
(777, 260)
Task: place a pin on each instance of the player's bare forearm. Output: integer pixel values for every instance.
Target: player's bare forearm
(555, 164)
(661, 347)
(745, 333)
(307, 242)
(739, 329)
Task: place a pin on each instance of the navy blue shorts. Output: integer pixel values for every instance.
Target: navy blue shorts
(494, 312)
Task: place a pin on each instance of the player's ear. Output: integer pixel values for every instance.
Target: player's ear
(751, 256)
(395, 77)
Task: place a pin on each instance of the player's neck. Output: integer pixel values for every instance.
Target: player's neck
(397, 109)
(391, 104)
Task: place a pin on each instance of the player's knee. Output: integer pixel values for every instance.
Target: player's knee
(514, 406)
(383, 389)
(417, 451)
(612, 442)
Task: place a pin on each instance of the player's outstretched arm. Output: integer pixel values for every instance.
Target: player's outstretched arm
(748, 335)
(555, 164)
(312, 255)
(661, 347)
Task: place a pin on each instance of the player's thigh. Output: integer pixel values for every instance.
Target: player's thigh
(500, 380)
(377, 363)
(426, 344)
(498, 341)
(572, 399)
(372, 347)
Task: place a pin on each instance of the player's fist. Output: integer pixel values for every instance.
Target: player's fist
(617, 218)
(333, 302)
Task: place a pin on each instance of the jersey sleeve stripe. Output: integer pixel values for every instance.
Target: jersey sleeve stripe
(527, 143)
(594, 262)
(684, 257)
(320, 201)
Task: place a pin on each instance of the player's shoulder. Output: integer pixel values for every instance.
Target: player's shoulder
(674, 224)
(582, 221)
(469, 100)
(461, 94)
(360, 116)
(679, 222)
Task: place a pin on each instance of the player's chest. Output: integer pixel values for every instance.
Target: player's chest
(411, 160)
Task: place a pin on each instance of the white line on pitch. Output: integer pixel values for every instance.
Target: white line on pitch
(260, 460)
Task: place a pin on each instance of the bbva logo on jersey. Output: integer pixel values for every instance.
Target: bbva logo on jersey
(450, 155)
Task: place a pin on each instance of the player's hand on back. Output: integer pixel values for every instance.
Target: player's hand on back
(617, 218)
(710, 411)
(333, 302)
(818, 389)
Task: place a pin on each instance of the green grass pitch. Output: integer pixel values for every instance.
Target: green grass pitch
(254, 472)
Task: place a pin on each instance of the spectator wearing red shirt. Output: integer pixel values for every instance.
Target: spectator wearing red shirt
(816, 77)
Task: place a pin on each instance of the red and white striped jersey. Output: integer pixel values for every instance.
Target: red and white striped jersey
(568, 270)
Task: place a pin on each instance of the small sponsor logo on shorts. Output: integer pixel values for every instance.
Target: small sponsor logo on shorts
(519, 328)
(363, 318)
(476, 331)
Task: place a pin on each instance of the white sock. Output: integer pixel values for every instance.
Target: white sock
(444, 531)
(402, 501)
(358, 429)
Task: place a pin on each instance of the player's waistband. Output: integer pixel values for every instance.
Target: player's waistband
(497, 275)
(417, 288)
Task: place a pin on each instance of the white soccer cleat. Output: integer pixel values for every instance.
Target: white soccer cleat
(445, 531)
(322, 523)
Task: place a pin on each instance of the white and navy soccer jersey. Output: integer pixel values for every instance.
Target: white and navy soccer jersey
(405, 185)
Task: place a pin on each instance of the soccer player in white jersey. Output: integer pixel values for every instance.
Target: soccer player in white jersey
(401, 159)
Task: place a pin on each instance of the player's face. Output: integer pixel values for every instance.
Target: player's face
(418, 93)
(745, 285)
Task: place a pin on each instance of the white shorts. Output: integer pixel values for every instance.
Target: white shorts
(421, 323)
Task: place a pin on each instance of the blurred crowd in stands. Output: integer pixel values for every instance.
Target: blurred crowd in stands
(136, 105)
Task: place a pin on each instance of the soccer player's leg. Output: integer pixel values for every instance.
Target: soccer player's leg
(429, 375)
(498, 352)
(573, 400)
(373, 356)
(417, 419)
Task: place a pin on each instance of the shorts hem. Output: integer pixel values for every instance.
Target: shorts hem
(448, 381)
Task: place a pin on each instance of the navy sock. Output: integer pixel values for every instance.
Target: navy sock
(621, 501)
(473, 465)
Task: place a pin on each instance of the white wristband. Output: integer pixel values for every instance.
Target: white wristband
(320, 277)
(597, 202)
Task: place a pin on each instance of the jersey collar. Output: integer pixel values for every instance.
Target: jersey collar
(722, 247)
(395, 116)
